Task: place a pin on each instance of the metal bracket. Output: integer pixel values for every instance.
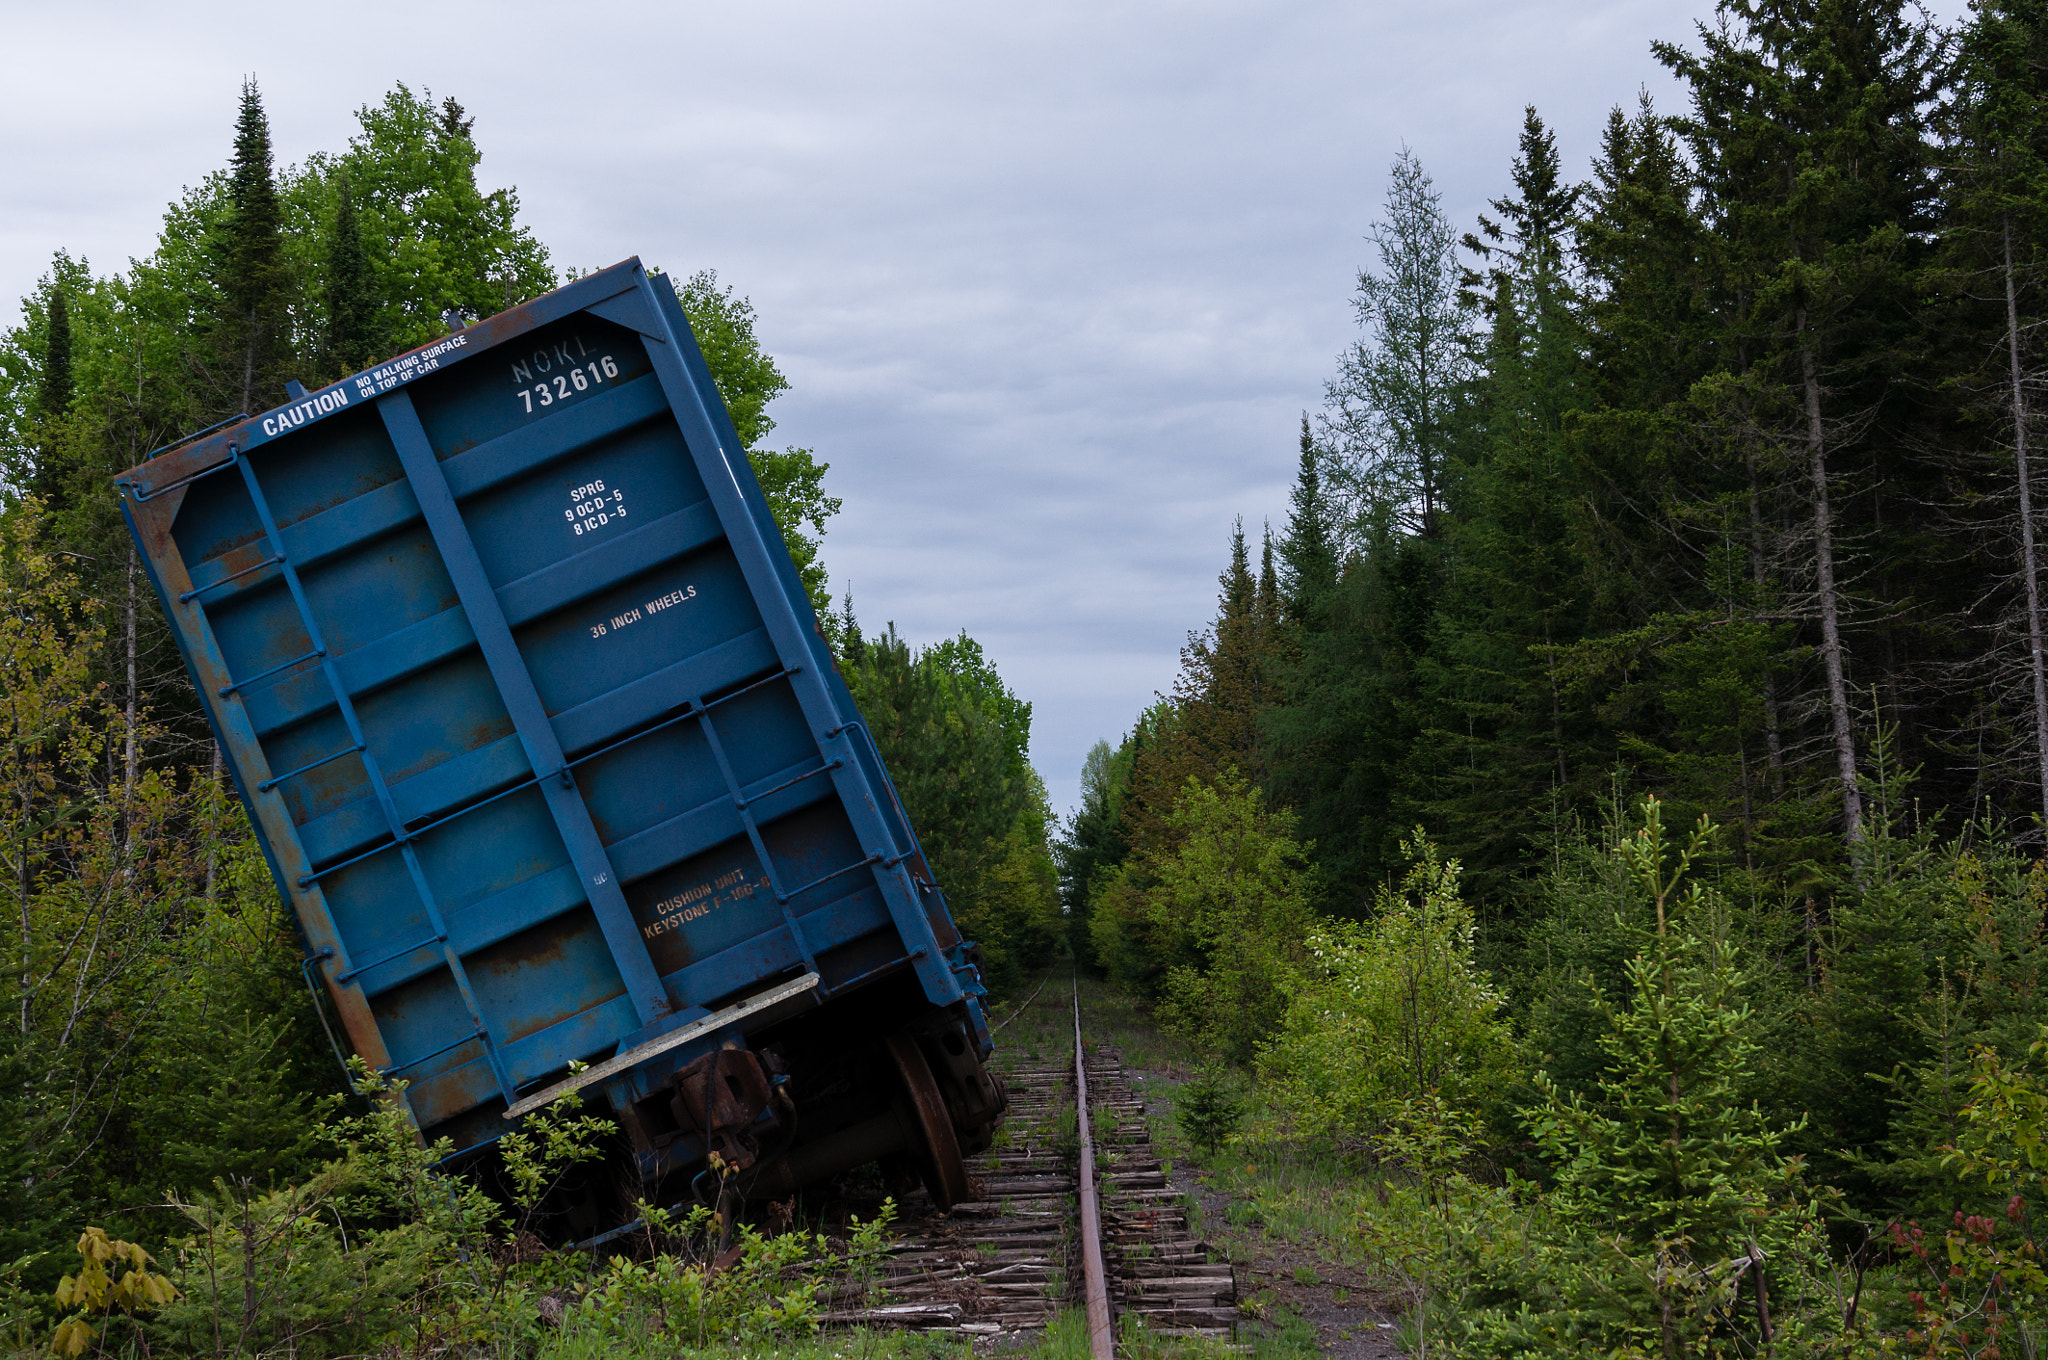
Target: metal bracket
(676, 1038)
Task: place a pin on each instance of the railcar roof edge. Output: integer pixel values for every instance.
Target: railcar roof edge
(212, 449)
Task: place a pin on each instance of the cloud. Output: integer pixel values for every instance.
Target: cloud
(1052, 282)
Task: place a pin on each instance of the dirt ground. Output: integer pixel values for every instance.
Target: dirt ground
(1353, 1317)
(1351, 1314)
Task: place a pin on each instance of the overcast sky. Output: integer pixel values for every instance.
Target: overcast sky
(1052, 282)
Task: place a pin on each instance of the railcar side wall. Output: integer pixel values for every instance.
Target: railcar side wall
(529, 709)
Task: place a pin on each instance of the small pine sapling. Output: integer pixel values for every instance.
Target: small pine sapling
(1209, 1112)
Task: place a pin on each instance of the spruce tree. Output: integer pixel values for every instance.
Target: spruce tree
(250, 337)
(350, 342)
(1809, 132)
(1501, 750)
(1994, 271)
(54, 388)
(1530, 236)
(1668, 1162)
(1308, 548)
(1268, 594)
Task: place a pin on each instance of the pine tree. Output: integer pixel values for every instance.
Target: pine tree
(350, 342)
(1267, 597)
(1994, 268)
(1529, 239)
(454, 126)
(1308, 548)
(1211, 726)
(1501, 751)
(1668, 1162)
(1345, 706)
(250, 327)
(55, 387)
(54, 390)
(1809, 133)
(1223, 687)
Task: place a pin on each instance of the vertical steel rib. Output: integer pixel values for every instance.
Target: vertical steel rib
(374, 772)
(1094, 1282)
(713, 461)
(522, 702)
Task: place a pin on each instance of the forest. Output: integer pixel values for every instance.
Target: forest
(165, 1069)
(1606, 816)
(1615, 795)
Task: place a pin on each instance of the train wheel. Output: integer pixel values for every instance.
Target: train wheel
(945, 1173)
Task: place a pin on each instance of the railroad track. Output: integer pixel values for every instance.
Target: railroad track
(1009, 1259)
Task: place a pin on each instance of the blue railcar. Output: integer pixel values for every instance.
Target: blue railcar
(533, 719)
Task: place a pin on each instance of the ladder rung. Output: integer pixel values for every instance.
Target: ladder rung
(230, 688)
(275, 780)
(788, 897)
(833, 764)
(467, 1038)
(232, 576)
(361, 969)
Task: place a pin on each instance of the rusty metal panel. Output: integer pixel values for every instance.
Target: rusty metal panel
(529, 708)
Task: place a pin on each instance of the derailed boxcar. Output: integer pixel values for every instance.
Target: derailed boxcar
(534, 722)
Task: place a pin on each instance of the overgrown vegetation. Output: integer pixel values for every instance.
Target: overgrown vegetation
(1619, 782)
(169, 1088)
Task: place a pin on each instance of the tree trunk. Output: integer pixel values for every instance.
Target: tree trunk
(213, 825)
(1556, 705)
(2029, 571)
(1774, 740)
(1830, 608)
(131, 763)
(28, 932)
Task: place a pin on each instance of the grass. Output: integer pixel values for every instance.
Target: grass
(848, 1345)
(1067, 1339)
(1276, 1188)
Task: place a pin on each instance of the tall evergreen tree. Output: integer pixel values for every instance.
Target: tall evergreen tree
(1500, 751)
(351, 297)
(1363, 547)
(1392, 412)
(250, 328)
(1528, 241)
(1308, 548)
(1809, 131)
(53, 391)
(1994, 266)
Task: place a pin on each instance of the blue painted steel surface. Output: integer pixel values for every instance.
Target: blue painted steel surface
(529, 708)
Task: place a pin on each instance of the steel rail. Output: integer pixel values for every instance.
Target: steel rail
(997, 1028)
(1094, 1281)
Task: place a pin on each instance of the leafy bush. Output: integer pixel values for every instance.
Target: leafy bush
(689, 1294)
(112, 1275)
(1210, 921)
(1392, 1030)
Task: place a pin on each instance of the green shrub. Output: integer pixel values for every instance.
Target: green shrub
(1209, 1111)
(1392, 1030)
